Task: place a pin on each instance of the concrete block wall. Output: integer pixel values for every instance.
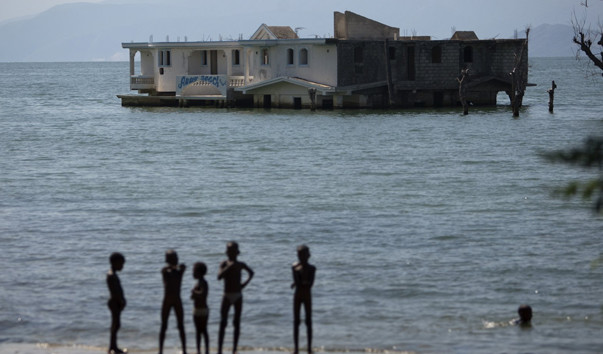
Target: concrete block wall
(503, 57)
(442, 75)
(373, 66)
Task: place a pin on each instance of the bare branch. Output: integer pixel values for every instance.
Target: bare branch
(584, 37)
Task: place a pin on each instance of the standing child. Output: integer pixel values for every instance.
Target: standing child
(200, 311)
(172, 281)
(230, 271)
(117, 300)
(303, 279)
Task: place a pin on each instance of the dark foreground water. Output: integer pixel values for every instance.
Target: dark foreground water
(428, 228)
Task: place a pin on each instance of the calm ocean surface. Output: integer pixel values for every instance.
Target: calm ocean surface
(428, 228)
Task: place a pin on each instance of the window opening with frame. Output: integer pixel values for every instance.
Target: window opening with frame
(236, 57)
(165, 58)
(303, 56)
(436, 54)
(468, 54)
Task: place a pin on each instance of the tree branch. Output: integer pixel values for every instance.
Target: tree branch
(585, 45)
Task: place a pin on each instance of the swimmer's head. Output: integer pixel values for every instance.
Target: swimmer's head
(199, 270)
(171, 257)
(525, 313)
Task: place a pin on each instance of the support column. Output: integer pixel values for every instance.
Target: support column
(246, 57)
(132, 56)
(228, 54)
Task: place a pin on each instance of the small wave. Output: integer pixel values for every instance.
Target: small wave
(326, 350)
(491, 324)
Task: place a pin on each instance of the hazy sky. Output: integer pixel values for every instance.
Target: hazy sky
(487, 17)
(19, 8)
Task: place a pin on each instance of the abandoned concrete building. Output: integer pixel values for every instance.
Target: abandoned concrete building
(365, 65)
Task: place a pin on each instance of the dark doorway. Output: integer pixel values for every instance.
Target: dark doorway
(438, 99)
(267, 101)
(213, 62)
(411, 63)
(297, 103)
(327, 103)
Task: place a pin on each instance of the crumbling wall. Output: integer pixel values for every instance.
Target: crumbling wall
(349, 25)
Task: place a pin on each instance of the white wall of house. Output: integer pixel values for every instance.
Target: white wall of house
(301, 59)
(165, 74)
(194, 61)
(147, 61)
(321, 63)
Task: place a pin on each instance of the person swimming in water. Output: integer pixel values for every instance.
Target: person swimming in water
(230, 271)
(525, 316)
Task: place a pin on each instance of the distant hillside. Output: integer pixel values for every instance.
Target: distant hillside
(89, 32)
(552, 41)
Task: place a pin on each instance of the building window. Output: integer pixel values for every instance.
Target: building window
(358, 55)
(165, 58)
(303, 57)
(436, 54)
(265, 57)
(204, 57)
(468, 55)
(236, 57)
(290, 55)
(392, 53)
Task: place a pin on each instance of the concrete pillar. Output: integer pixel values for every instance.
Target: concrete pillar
(186, 55)
(246, 59)
(132, 56)
(228, 54)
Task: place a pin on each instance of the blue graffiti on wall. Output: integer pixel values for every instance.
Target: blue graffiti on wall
(218, 81)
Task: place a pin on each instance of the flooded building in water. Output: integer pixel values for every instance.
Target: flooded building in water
(365, 65)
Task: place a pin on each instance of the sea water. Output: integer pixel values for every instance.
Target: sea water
(428, 228)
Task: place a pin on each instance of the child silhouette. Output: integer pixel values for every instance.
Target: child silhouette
(303, 279)
(230, 271)
(172, 281)
(117, 300)
(200, 311)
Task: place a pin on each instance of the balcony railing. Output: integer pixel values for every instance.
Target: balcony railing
(142, 82)
(238, 81)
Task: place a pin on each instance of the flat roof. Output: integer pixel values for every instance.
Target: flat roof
(227, 44)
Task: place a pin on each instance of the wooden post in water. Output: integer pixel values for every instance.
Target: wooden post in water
(388, 73)
(463, 90)
(551, 92)
(312, 94)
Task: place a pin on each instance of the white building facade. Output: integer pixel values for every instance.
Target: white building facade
(366, 65)
(264, 71)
